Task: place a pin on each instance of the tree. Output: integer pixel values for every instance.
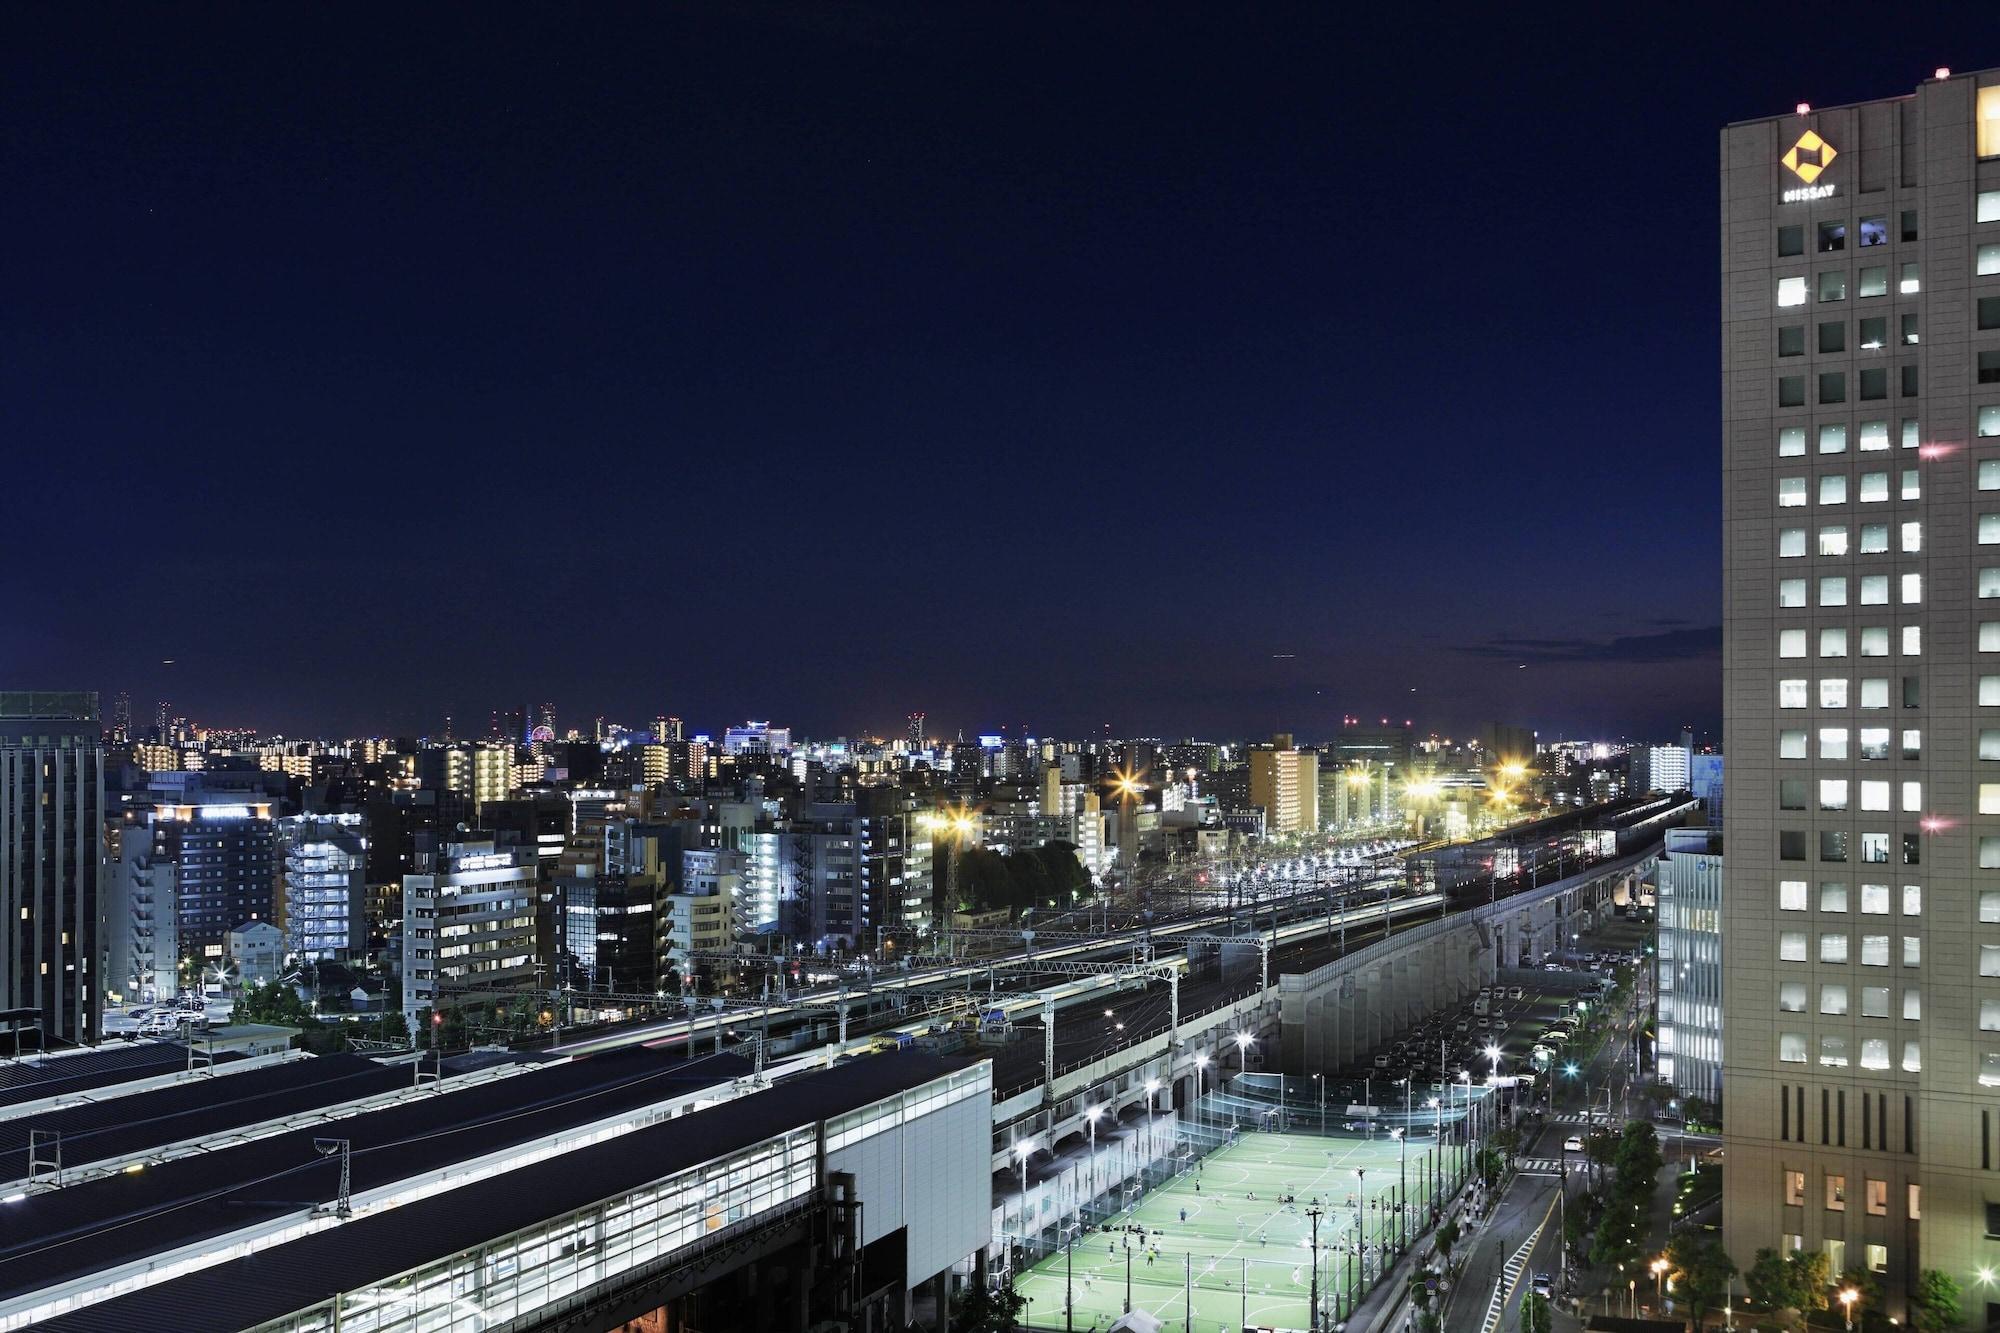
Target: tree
(1770, 1281)
(1701, 1272)
(1639, 1158)
(979, 1309)
(1490, 1164)
(1934, 1302)
(1447, 1236)
(1601, 1147)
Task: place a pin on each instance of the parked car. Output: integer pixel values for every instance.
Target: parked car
(1574, 1143)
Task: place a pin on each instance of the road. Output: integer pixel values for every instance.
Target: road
(1530, 1197)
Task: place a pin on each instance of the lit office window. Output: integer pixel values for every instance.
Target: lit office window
(1792, 1047)
(1792, 896)
(1791, 543)
(1833, 540)
(1833, 439)
(1791, 643)
(1791, 997)
(1874, 436)
(1874, 643)
(1791, 946)
(1913, 537)
(1874, 1001)
(1792, 442)
(1833, 641)
(1874, 281)
(1833, 999)
(1833, 1054)
(1792, 592)
(1792, 493)
(1791, 292)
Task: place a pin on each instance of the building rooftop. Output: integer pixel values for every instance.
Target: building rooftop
(62, 1072)
(99, 1131)
(373, 1248)
(85, 1228)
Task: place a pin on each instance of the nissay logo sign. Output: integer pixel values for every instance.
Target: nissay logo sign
(1806, 159)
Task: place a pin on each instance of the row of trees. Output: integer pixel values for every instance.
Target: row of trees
(1032, 877)
(1795, 1286)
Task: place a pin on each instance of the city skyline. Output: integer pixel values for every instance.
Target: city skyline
(412, 350)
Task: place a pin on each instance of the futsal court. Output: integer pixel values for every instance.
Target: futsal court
(1236, 1222)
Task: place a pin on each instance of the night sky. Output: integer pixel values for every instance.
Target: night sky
(1172, 370)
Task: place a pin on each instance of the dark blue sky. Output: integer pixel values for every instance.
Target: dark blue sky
(1048, 367)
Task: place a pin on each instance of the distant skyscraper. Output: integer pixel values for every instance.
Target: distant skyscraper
(51, 839)
(121, 718)
(916, 731)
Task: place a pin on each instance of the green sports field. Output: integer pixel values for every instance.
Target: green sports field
(1250, 1253)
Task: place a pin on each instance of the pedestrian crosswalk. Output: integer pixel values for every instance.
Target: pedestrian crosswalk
(1550, 1165)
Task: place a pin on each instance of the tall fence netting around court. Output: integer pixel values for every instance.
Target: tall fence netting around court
(1215, 1232)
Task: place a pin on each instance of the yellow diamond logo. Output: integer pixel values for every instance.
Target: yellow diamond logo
(1809, 156)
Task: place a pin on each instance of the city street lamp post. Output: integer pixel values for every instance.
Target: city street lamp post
(1848, 1296)
(1361, 1222)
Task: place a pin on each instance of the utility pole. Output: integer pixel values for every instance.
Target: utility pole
(1314, 1214)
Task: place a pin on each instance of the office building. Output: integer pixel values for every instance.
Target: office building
(1688, 962)
(1861, 508)
(51, 840)
(468, 922)
(1284, 783)
(193, 864)
(700, 915)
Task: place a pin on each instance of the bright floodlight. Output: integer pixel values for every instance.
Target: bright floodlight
(1152, 1086)
(1244, 1039)
(1201, 1060)
(1848, 1295)
(1493, 1052)
(1091, 1113)
(1025, 1148)
(1570, 1069)
(1431, 1104)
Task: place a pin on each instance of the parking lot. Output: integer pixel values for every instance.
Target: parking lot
(1529, 1025)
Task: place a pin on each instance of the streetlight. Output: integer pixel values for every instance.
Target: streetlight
(1200, 1064)
(1024, 1150)
(1152, 1088)
(1848, 1296)
(1659, 1267)
(1244, 1041)
(1090, 1115)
